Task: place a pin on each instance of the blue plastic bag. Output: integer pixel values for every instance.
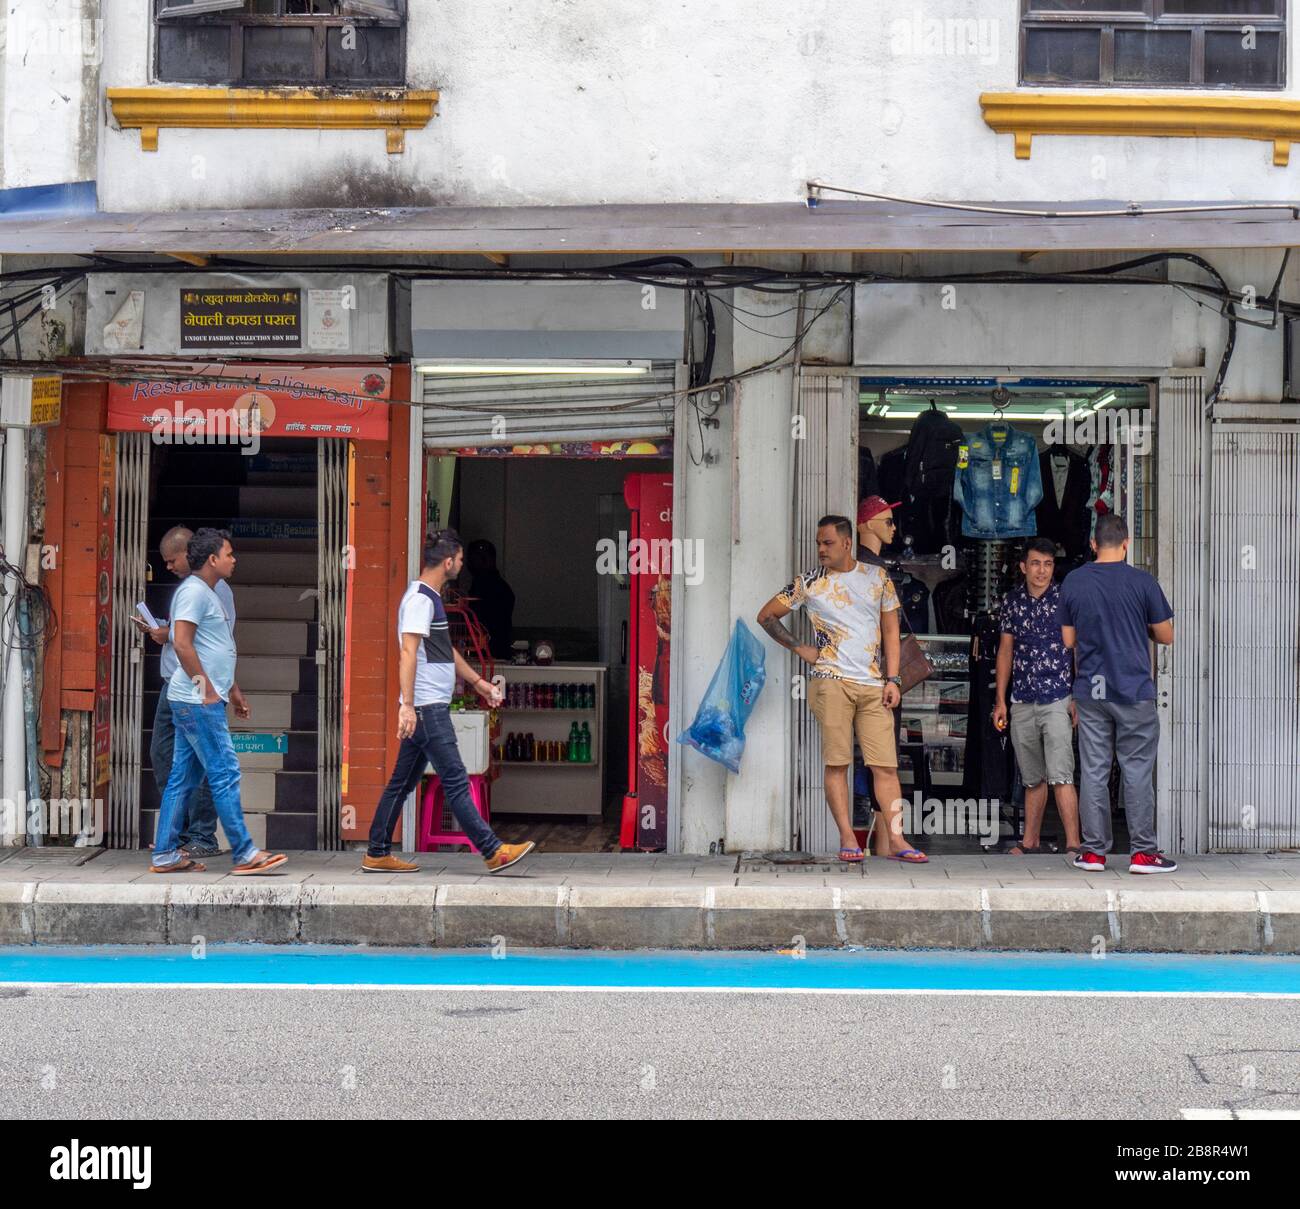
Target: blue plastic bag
(719, 727)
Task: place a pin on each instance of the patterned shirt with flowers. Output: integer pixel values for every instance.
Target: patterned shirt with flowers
(1042, 667)
(844, 608)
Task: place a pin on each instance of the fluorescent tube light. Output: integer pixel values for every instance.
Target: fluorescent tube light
(596, 369)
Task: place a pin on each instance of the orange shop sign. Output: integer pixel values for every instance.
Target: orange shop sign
(201, 401)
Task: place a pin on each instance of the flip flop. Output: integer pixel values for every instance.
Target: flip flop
(1029, 850)
(910, 856)
(854, 856)
(186, 866)
(264, 864)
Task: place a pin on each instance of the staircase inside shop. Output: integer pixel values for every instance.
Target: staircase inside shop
(269, 503)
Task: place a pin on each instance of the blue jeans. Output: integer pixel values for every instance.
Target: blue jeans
(200, 819)
(203, 747)
(434, 742)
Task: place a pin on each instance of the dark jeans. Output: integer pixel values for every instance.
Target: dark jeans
(434, 742)
(199, 824)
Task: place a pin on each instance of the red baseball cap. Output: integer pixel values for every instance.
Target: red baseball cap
(872, 507)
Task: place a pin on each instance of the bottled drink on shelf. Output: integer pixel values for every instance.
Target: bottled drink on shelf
(571, 750)
(584, 745)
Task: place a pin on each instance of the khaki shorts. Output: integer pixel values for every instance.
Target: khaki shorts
(845, 706)
(1044, 741)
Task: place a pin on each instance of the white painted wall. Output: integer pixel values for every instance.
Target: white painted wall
(51, 55)
(588, 101)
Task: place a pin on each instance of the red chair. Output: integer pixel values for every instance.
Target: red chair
(437, 823)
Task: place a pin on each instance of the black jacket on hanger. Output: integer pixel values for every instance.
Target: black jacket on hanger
(1065, 520)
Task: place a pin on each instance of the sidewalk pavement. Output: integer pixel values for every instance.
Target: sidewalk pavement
(1213, 904)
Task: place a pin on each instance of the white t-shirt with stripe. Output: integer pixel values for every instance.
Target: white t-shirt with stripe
(421, 613)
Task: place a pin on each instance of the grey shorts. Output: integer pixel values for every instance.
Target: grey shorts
(1044, 741)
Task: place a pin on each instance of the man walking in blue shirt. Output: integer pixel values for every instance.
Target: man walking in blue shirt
(1110, 612)
(198, 692)
(199, 829)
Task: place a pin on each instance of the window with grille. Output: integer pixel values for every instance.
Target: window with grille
(1154, 43)
(341, 43)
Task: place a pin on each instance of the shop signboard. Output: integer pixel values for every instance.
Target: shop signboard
(251, 317)
(235, 401)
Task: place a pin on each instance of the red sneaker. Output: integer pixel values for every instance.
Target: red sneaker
(1090, 861)
(1150, 862)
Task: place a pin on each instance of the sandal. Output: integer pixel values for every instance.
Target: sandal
(851, 856)
(1023, 849)
(185, 866)
(264, 863)
(910, 856)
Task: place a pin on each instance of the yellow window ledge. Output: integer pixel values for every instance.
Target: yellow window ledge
(393, 111)
(1025, 114)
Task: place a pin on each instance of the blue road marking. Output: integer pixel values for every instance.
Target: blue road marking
(852, 972)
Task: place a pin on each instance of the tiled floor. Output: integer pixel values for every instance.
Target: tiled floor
(1251, 873)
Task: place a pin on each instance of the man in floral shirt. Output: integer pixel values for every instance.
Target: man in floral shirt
(1039, 669)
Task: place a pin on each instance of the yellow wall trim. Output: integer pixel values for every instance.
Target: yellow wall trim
(1025, 114)
(394, 111)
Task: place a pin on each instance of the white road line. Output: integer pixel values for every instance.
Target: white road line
(648, 990)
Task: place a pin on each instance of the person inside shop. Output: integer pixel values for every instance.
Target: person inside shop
(198, 836)
(427, 671)
(1110, 613)
(1035, 664)
(494, 601)
(854, 613)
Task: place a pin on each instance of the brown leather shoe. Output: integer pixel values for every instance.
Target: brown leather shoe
(507, 855)
(387, 864)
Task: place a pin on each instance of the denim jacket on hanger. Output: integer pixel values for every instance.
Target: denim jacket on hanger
(998, 484)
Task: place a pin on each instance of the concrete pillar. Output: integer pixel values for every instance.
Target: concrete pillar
(757, 800)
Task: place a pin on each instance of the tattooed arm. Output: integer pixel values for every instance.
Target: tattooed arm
(769, 617)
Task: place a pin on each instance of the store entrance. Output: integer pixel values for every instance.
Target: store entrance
(547, 577)
(1092, 451)
(269, 504)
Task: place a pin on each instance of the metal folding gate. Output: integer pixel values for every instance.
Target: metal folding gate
(825, 482)
(336, 556)
(1254, 673)
(126, 693)
(1180, 424)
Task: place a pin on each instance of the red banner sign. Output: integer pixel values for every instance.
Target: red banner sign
(235, 401)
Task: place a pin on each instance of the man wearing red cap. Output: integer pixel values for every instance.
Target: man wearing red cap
(854, 613)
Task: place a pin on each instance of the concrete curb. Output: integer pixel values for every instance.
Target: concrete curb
(522, 914)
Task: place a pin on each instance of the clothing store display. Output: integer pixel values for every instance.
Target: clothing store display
(990, 766)
(1062, 513)
(1101, 491)
(889, 478)
(914, 596)
(949, 600)
(930, 461)
(868, 479)
(993, 567)
(998, 483)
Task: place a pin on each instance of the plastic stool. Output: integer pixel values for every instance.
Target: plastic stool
(433, 805)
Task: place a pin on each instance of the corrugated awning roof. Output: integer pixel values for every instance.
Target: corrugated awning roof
(832, 226)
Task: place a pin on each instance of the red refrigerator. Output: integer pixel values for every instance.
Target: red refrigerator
(645, 806)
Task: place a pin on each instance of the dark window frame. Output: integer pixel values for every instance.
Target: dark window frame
(314, 75)
(1153, 17)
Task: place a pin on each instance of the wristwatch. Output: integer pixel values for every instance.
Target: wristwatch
(898, 680)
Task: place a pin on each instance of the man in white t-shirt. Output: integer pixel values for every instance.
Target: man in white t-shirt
(854, 681)
(427, 672)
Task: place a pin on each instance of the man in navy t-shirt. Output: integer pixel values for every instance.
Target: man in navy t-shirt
(1110, 612)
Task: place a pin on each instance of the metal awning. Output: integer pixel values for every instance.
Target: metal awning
(831, 226)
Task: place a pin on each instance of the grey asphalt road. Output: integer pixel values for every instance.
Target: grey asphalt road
(81, 1052)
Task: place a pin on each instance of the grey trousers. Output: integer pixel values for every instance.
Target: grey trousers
(1131, 733)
